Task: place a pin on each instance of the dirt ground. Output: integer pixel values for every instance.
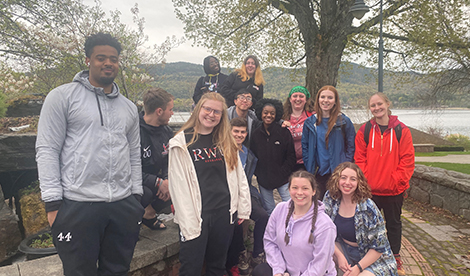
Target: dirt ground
(7, 122)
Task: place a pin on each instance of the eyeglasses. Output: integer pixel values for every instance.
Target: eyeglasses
(243, 98)
(209, 110)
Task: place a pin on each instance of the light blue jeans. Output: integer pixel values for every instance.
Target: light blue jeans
(268, 197)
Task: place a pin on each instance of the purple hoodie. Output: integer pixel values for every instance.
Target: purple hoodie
(300, 257)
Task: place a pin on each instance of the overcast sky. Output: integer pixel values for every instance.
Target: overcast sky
(160, 22)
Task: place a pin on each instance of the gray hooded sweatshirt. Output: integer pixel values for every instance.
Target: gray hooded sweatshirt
(88, 144)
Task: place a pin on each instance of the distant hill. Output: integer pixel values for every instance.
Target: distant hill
(355, 85)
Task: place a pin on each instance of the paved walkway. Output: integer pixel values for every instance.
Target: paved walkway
(435, 244)
(451, 158)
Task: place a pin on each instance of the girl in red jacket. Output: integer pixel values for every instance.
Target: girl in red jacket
(385, 153)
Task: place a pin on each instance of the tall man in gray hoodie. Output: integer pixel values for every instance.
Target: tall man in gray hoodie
(88, 155)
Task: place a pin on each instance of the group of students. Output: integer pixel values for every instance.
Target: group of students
(331, 213)
(97, 188)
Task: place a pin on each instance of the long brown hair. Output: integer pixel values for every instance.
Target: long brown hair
(362, 191)
(311, 178)
(334, 113)
(222, 136)
(258, 77)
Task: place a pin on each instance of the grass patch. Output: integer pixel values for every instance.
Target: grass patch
(463, 168)
(442, 153)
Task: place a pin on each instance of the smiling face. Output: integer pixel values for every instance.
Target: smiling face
(326, 102)
(104, 65)
(209, 116)
(243, 102)
(301, 192)
(348, 182)
(268, 115)
(239, 133)
(250, 67)
(378, 107)
(298, 100)
(214, 65)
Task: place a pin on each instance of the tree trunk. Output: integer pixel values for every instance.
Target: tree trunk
(323, 62)
(324, 39)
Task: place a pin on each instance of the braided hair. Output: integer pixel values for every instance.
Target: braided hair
(311, 178)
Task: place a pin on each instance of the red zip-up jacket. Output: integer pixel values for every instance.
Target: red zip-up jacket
(387, 164)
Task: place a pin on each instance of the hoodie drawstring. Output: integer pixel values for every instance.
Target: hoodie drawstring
(99, 109)
(373, 137)
(391, 139)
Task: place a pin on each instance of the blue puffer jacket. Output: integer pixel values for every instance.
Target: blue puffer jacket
(340, 150)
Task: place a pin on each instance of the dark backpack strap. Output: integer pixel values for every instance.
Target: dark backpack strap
(367, 132)
(398, 132)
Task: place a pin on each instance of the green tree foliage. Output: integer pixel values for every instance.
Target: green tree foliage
(46, 37)
(460, 140)
(424, 35)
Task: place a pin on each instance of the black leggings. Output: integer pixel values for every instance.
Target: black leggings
(391, 205)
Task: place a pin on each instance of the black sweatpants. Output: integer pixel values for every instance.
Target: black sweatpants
(90, 233)
(211, 246)
(391, 206)
(150, 197)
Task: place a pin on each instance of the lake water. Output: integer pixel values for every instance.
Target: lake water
(449, 121)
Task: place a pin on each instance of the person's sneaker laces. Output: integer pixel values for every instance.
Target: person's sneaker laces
(401, 270)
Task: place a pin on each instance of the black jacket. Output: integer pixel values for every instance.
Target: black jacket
(275, 153)
(154, 152)
(209, 83)
(234, 83)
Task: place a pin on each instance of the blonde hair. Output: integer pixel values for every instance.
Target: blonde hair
(258, 78)
(334, 113)
(222, 136)
(386, 100)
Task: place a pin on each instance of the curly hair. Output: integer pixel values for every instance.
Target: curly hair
(101, 39)
(272, 102)
(311, 178)
(362, 191)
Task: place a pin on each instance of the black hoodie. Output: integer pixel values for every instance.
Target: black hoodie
(154, 152)
(210, 83)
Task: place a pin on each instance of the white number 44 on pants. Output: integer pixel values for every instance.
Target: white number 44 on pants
(67, 237)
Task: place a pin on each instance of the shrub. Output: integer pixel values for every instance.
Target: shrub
(3, 105)
(460, 140)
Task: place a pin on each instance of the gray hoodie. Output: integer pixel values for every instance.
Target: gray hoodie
(88, 144)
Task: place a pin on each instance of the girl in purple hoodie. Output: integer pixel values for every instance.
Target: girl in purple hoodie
(299, 238)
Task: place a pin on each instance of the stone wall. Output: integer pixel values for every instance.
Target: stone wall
(442, 188)
(156, 254)
(10, 236)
